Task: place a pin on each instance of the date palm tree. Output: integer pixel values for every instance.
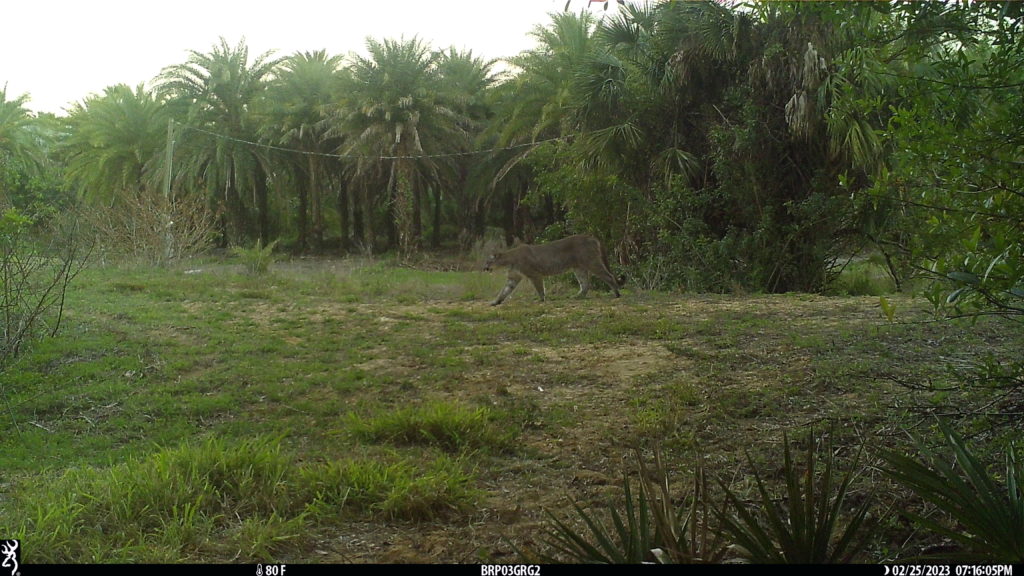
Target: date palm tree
(396, 120)
(541, 104)
(537, 104)
(306, 84)
(20, 145)
(217, 92)
(467, 81)
(113, 142)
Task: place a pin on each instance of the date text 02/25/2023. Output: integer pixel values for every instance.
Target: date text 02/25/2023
(949, 570)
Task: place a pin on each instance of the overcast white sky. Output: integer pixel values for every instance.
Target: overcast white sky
(60, 51)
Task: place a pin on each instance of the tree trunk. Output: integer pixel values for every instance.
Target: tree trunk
(404, 210)
(236, 228)
(479, 219)
(367, 216)
(508, 221)
(392, 213)
(436, 240)
(223, 241)
(315, 204)
(344, 222)
(262, 204)
(357, 213)
(416, 187)
(303, 219)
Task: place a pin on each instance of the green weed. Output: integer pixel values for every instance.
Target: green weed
(257, 259)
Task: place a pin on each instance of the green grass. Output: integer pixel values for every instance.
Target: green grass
(212, 499)
(447, 426)
(218, 416)
(402, 490)
(863, 278)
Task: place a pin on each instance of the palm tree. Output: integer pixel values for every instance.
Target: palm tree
(537, 104)
(113, 140)
(467, 81)
(641, 100)
(218, 92)
(21, 148)
(727, 116)
(542, 100)
(642, 95)
(395, 120)
(307, 83)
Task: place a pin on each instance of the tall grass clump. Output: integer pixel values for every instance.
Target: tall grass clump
(397, 490)
(451, 427)
(213, 500)
(171, 505)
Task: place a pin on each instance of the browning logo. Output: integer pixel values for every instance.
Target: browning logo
(10, 554)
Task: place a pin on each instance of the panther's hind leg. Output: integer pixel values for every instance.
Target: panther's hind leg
(583, 277)
(538, 283)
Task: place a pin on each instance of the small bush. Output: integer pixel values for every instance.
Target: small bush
(257, 260)
(806, 528)
(148, 227)
(34, 279)
(394, 490)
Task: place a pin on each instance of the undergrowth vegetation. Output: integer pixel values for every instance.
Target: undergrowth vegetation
(979, 514)
(355, 410)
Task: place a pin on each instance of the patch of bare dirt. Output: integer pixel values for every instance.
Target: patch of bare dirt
(611, 363)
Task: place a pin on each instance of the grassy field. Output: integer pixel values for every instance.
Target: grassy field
(356, 411)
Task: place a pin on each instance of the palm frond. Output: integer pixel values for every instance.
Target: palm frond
(808, 528)
(989, 517)
(645, 527)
